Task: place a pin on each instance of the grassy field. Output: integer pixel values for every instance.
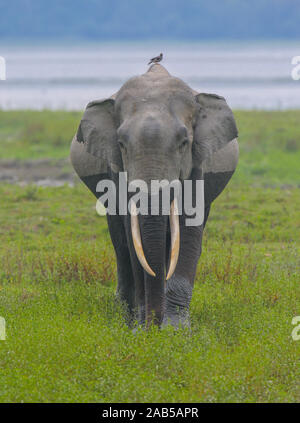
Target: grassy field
(66, 335)
(269, 141)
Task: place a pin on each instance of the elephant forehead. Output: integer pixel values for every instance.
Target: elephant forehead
(163, 90)
(148, 124)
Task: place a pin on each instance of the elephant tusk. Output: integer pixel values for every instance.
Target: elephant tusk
(175, 237)
(137, 242)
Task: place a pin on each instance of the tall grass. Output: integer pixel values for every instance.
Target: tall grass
(67, 338)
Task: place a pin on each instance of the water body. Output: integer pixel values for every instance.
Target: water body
(249, 75)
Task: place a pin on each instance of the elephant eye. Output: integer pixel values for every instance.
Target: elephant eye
(122, 146)
(183, 145)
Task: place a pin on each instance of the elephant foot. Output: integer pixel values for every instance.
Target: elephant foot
(179, 320)
(127, 309)
(137, 329)
(178, 298)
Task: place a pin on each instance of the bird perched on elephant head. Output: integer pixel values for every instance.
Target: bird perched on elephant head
(156, 59)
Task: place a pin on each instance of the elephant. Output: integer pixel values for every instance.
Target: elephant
(157, 128)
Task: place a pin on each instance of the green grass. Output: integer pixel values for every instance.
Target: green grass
(27, 134)
(66, 334)
(269, 147)
(269, 141)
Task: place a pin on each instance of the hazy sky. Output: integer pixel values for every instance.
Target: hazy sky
(100, 20)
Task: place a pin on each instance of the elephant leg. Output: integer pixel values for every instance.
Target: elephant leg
(180, 286)
(206, 214)
(126, 286)
(138, 276)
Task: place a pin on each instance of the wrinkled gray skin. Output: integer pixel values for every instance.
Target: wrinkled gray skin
(156, 127)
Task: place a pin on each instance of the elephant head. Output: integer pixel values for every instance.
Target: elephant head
(154, 128)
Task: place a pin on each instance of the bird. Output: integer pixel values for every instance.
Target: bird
(156, 59)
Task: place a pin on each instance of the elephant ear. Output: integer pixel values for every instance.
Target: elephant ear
(214, 127)
(97, 133)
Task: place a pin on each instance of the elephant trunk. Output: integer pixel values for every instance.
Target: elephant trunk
(149, 239)
(175, 239)
(154, 230)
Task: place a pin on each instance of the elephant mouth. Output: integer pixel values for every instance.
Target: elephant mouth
(175, 239)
